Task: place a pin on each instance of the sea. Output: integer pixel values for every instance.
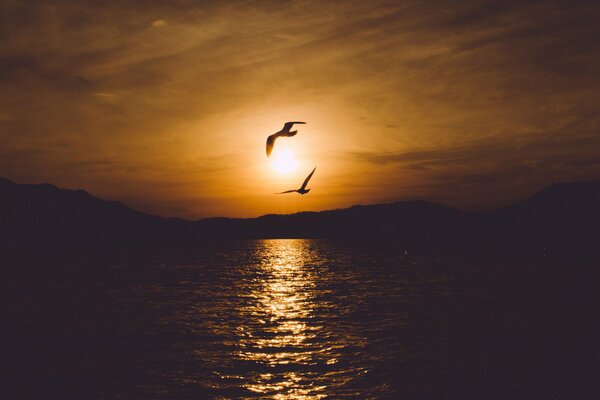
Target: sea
(301, 319)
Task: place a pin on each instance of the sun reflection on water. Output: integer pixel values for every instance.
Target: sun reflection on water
(286, 326)
(283, 302)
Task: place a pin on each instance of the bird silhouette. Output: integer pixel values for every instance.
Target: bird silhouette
(285, 132)
(303, 189)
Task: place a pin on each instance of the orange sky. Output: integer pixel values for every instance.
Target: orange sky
(167, 107)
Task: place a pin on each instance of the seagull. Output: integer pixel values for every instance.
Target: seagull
(302, 189)
(285, 132)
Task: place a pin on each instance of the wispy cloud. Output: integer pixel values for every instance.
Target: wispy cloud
(494, 97)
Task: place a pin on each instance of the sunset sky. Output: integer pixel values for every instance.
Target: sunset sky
(166, 106)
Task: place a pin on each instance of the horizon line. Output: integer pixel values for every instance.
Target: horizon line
(303, 211)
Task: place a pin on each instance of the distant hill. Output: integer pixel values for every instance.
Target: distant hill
(563, 217)
(44, 214)
(413, 223)
(573, 200)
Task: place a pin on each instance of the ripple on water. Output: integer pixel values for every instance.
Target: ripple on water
(280, 319)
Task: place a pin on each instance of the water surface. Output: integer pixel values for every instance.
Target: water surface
(308, 319)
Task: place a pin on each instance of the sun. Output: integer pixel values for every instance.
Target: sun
(283, 161)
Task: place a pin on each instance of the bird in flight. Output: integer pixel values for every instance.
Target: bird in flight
(303, 189)
(285, 132)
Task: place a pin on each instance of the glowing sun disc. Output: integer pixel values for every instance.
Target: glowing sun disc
(283, 161)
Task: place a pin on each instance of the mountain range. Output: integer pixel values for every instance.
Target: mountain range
(564, 217)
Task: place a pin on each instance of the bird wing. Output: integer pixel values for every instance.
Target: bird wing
(271, 143)
(287, 191)
(288, 125)
(288, 134)
(307, 179)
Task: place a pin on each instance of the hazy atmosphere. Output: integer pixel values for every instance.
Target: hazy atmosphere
(166, 105)
(159, 161)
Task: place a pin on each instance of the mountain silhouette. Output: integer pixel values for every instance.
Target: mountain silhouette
(45, 215)
(561, 218)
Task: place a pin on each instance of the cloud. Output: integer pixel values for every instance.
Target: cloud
(425, 95)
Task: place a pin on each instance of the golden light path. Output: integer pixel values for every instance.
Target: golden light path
(284, 337)
(284, 300)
